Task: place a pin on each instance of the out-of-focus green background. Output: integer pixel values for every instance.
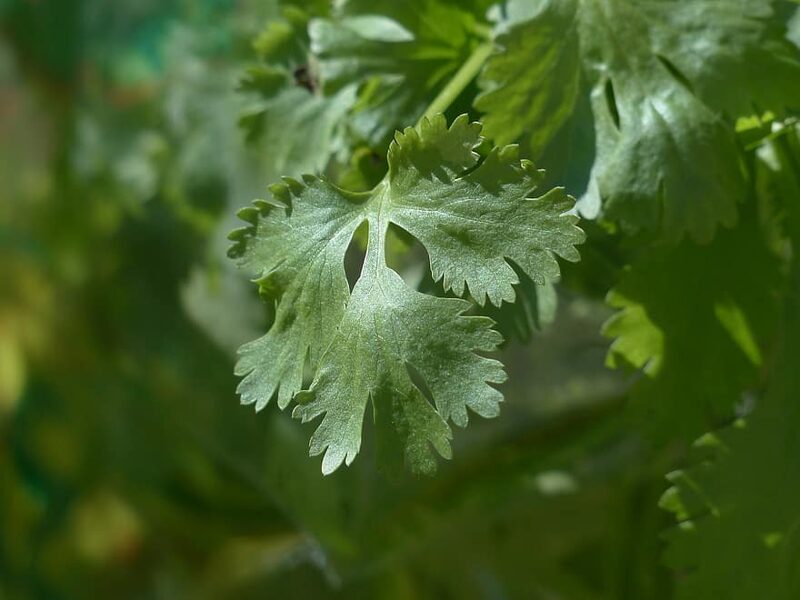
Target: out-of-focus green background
(128, 468)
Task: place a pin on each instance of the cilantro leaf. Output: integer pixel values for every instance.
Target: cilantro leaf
(386, 327)
(693, 319)
(413, 355)
(286, 113)
(737, 506)
(397, 55)
(660, 76)
(531, 84)
(734, 55)
(299, 261)
(298, 129)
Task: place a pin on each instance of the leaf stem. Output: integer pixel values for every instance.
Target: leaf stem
(460, 80)
(787, 126)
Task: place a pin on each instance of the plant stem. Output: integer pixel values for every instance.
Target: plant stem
(460, 80)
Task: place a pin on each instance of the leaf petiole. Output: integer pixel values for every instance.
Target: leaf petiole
(460, 80)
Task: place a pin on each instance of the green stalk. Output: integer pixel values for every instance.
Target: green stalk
(460, 80)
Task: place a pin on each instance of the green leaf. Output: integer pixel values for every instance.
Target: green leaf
(397, 55)
(286, 112)
(387, 328)
(737, 536)
(413, 355)
(734, 54)
(660, 76)
(693, 319)
(282, 49)
(531, 83)
(299, 130)
(737, 507)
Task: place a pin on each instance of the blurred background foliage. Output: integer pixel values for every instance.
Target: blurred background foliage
(127, 468)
